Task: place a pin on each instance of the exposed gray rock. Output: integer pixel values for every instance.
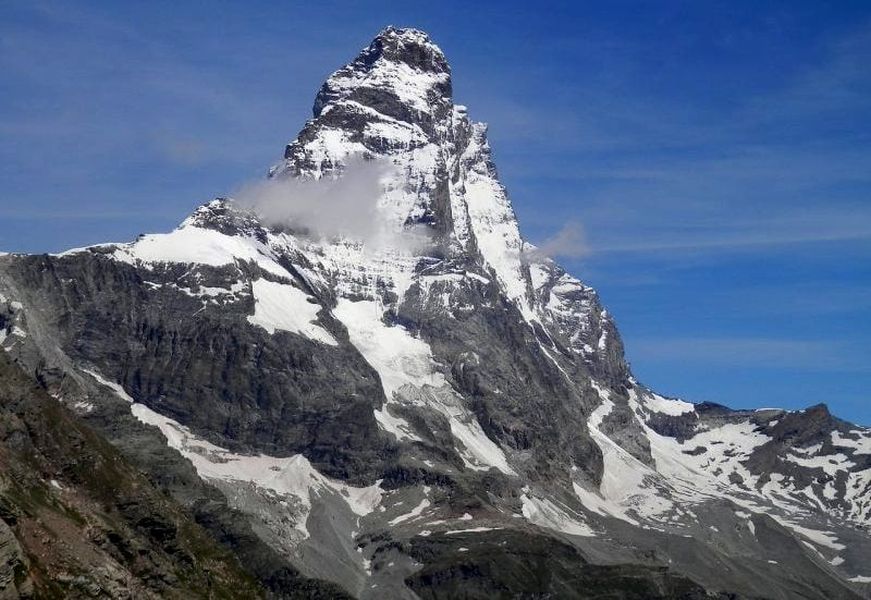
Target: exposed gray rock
(13, 565)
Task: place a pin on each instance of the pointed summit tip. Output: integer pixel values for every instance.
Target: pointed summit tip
(408, 45)
(401, 74)
(406, 34)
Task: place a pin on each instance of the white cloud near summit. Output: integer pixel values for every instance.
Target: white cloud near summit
(569, 242)
(345, 206)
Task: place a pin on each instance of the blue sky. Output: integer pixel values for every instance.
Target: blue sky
(714, 156)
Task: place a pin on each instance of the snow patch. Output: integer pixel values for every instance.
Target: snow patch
(281, 306)
(830, 463)
(545, 513)
(119, 391)
(191, 244)
(859, 446)
(472, 530)
(397, 356)
(668, 406)
(407, 371)
(821, 538)
(627, 484)
(411, 515)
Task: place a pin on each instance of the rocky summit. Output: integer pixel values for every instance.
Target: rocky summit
(358, 380)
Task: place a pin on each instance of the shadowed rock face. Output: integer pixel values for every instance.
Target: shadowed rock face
(535, 567)
(251, 391)
(421, 419)
(77, 520)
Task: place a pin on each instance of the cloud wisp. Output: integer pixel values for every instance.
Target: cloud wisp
(569, 242)
(348, 206)
(751, 352)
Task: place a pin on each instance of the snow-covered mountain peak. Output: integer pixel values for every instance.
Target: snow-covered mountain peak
(392, 106)
(393, 103)
(402, 63)
(394, 96)
(410, 46)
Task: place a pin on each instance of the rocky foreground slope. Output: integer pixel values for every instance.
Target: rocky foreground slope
(360, 379)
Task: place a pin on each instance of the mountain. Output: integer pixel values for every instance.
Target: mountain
(358, 378)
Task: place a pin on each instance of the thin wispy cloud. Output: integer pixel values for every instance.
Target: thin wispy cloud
(753, 353)
(347, 205)
(839, 84)
(756, 238)
(815, 298)
(569, 242)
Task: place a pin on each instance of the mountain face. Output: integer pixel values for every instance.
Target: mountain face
(421, 405)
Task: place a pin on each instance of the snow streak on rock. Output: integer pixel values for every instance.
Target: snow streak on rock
(293, 480)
